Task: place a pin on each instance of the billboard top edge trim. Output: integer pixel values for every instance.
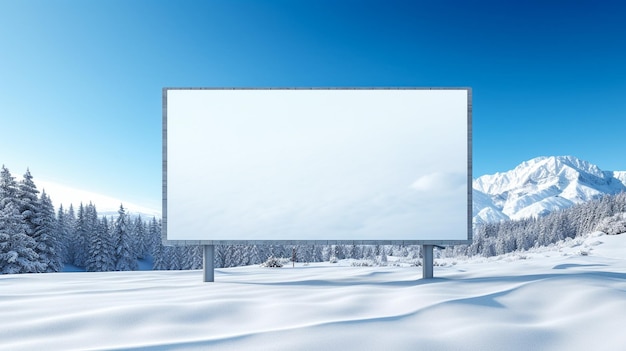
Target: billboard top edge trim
(469, 89)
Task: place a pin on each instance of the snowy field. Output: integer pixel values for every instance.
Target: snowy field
(571, 296)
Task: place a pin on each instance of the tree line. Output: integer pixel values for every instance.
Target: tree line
(606, 214)
(35, 238)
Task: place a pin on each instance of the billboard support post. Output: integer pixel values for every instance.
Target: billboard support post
(208, 263)
(427, 264)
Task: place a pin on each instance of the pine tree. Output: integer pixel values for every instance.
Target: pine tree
(192, 258)
(125, 257)
(174, 256)
(27, 195)
(141, 238)
(303, 253)
(46, 235)
(160, 260)
(62, 233)
(339, 251)
(326, 252)
(383, 258)
(71, 238)
(8, 187)
(80, 238)
(253, 255)
(154, 237)
(101, 251)
(17, 254)
(17, 248)
(106, 229)
(220, 256)
(229, 257)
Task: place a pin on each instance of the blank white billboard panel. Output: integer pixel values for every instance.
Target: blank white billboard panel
(317, 164)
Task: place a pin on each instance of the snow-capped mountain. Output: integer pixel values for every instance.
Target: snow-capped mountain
(541, 185)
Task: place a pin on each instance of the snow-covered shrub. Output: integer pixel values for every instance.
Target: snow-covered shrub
(333, 259)
(416, 262)
(363, 263)
(383, 259)
(613, 225)
(272, 262)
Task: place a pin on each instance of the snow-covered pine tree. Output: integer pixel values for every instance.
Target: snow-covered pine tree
(377, 249)
(192, 257)
(101, 253)
(80, 238)
(383, 257)
(46, 235)
(337, 251)
(154, 236)
(305, 253)
(141, 238)
(17, 249)
(370, 253)
(174, 257)
(106, 228)
(28, 200)
(229, 256)
(326, 252)
(317, 253)
(160, 259)
(350, 251)
(8, 187)
(253, 255)
(413, 251)
(125, 257)
(71, 235)
(271, 251)
(220, 256)
(62, 233)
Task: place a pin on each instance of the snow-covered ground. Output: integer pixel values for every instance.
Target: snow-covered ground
(571, 296)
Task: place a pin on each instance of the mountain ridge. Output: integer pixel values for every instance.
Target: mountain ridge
(541, 185)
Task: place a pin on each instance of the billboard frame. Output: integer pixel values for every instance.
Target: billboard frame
(428, 244)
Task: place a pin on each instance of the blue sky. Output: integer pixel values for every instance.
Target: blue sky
(80, 81)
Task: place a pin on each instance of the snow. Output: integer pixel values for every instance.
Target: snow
(569, 296)
(620, 175)
(541, 185)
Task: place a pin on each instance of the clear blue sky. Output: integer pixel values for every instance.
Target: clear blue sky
(80, 81)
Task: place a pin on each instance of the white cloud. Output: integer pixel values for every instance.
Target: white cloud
(439, 182)
(66, 195)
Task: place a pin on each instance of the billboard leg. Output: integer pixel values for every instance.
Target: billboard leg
(427, 261)
(208, 263)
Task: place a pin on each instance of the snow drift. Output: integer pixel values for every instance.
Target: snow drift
(570, 296)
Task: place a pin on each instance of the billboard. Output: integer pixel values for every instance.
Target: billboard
(320, 165)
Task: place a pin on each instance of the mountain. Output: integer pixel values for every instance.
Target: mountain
(541, 185)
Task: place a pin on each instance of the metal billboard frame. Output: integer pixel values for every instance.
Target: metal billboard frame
(427, 245)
